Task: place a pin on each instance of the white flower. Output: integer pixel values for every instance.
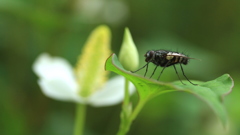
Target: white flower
(87, 82)
(57, 80)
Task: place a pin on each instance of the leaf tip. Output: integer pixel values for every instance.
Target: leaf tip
(107, 61)
(232, 84)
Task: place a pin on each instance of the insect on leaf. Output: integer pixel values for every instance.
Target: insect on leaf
(211, 92)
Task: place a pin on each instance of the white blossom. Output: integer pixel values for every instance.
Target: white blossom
(57, 80)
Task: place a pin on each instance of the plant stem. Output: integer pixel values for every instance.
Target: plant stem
(126, 92)
(80, 119)
(127, 116)
(137, 109)
(127, 121)
(123, 128)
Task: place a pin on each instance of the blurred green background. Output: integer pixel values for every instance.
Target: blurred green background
(203, 29)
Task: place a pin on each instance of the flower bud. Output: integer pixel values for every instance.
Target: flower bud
(128, 55)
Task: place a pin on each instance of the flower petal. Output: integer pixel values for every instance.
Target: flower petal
(47, 67)
(112, 93)
(60, 90)
(57, 78)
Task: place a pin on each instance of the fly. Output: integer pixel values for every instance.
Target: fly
(164, 58)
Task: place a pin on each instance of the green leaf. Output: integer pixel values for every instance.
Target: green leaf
(212, 92)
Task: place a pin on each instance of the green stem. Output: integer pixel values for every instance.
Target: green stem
(125, 111)
(126, 93)
(80, 119)
(127, 116)
(137, 109)
(127, 121)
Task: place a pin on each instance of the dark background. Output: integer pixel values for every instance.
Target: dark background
(203, 29)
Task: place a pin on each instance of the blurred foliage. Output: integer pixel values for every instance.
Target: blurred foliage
(207, 30)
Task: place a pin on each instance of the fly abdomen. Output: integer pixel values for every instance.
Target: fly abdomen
(184, 60)
(175, 58)
(180, 59)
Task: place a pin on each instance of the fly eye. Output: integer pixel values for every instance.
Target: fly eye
(147, 54)
(151, 53)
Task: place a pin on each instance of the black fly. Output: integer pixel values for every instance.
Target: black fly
(165, 59)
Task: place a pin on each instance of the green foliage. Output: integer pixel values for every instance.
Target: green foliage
(212, 92)
(208, 30)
